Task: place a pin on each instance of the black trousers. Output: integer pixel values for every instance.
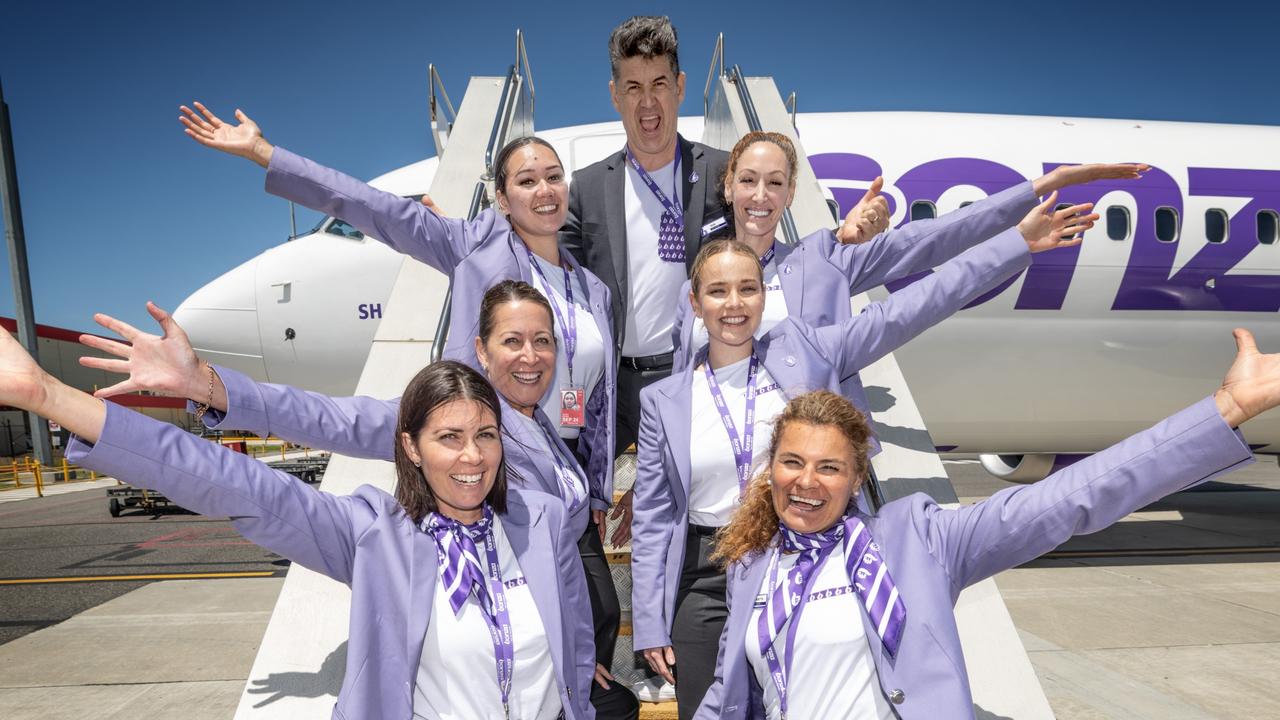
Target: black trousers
(701, 612)
(630, 383)
(616, 703)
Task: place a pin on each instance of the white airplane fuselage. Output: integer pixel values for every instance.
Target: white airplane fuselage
(1084, 348)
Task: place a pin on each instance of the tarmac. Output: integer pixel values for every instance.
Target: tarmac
(1174, 613)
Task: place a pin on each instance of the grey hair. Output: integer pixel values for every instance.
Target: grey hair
(646, 36)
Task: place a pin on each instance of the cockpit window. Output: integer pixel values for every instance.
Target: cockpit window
(343, 228)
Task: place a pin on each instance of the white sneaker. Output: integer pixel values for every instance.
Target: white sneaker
(654, 689)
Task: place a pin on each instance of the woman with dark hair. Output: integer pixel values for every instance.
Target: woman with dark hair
(685, 491)
(516, 348)
(482, 578)
(518, 241)
(867, 629)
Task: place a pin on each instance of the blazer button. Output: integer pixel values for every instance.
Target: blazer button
(897, 696)
(568, 691)
(786, 269)
(791, 360)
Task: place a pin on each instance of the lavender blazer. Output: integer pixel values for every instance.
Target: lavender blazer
(819, 274)
(477, 254)
(800, 358)
(365, 427)
(934, 553)
(364, 540)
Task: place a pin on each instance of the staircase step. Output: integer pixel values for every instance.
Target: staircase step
(659, 711)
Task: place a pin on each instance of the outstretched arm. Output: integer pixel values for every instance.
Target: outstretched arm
(885, 326)
(166, 364)
(407, 226)
(269, 507)
(1190, 447)
(923, 244)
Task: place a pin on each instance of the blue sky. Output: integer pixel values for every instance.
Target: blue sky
(121, 207)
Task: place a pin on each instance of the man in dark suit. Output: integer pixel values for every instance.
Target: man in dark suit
(637, 218)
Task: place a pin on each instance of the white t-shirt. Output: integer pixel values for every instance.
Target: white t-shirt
(458, 676)
(651, 281)
(833, 674)
(567, 470)
(588, 359)
(775, 309)
(713, 484)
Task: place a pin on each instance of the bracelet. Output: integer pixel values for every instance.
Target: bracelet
(202, 408)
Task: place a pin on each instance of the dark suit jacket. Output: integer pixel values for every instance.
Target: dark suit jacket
(596, 231)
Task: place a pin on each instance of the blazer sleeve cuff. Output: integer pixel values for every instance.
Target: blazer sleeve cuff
(246, 408)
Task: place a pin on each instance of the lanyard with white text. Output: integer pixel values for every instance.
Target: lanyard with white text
(742, 447)
(499, 622)
(570, 326)
(671, 207)
(773, 616)
(767, 258)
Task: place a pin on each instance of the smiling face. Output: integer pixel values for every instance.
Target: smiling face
(519, 354)
(459, 450)
(647, 94)
(729, 297)
(534, 194)
(814, 475)
(759, 188)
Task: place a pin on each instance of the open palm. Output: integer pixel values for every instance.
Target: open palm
(209, 130)
(1252, 383)
(1045, 228)
(163, 364)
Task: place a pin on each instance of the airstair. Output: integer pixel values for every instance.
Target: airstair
(300, 664)
(1003, 682)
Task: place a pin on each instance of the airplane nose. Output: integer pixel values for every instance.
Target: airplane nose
(221, 319)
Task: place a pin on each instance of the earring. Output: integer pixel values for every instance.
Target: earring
(417, 464)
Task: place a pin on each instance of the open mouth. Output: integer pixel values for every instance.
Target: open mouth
(527, 378)
(805, 504)
(758, 213)
(467, 479)
(734, 320)
(650, 123)
(546, 209)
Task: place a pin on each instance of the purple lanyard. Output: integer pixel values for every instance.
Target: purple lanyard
(499, 622)
(785, 604)
(742, 447)
(671, 207)
(767, 258)
(570, 328)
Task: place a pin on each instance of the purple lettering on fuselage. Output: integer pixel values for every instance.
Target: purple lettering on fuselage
(1149, 282)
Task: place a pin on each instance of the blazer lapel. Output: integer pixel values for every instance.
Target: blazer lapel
(790, 262)
(779, 357)
(424, 568)
(692, 165)
(531, 542)
(615, 213)
(675, 413)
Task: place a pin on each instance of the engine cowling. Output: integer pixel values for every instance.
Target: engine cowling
(1019, 468)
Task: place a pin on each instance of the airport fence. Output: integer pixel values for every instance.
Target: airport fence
(25, 472)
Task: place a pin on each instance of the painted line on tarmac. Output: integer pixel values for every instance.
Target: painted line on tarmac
(116, 578)
(1160, 552)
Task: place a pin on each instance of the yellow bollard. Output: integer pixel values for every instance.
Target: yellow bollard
(281, 451)
(66, 473)
(39, 483)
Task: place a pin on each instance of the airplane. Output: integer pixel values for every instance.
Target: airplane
(1087, 346)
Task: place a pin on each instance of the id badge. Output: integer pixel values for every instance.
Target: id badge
(572, 407)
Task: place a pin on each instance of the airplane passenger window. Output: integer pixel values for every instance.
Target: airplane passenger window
(342, 229)
(1166, 224)
(966, 203)
(1118, 222)
(923, 210)
(1215, 225)
(1268, 225)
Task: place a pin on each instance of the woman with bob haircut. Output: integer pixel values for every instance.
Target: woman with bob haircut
(834, 613)
(480, 576)
(685, 490)
(516, 348)
(519, 240)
